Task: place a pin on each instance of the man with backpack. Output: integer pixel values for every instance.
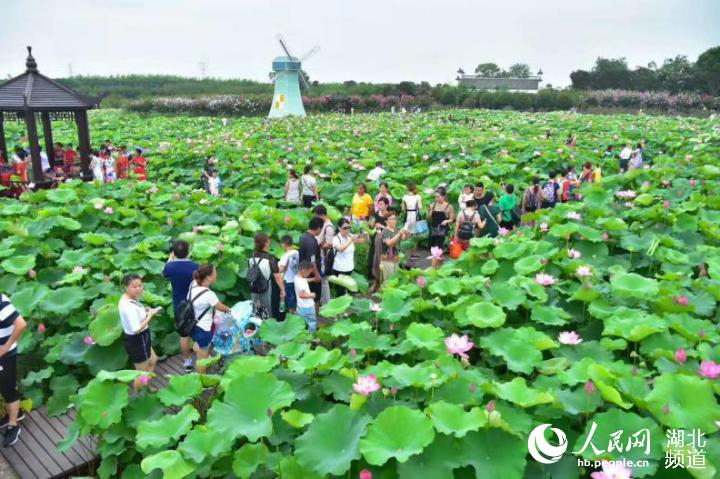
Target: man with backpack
(179, 270)
(327, 253)
(467, 222)
(262, 270)
(310, 251)
(532, 199)
(550, 191)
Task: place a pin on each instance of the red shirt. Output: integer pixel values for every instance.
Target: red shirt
(70, 157)
(139, 164)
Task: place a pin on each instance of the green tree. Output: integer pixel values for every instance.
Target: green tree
(519, 70)
(707, 70)
(675, 74)
(611, 73)
(491, 70)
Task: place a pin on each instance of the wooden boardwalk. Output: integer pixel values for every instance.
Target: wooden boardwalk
(35, 455)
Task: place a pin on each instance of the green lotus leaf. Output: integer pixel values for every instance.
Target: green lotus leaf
(398, 432)
(171, 463)
(290, 468)
(517, 347)
(332, 442)
(243, 414)
(452, 419)
(279, 332)
(446, 286)
(68, 223)
(96, 239)
(686, 402)
(181, 389)
(641, 433)
(494, 453)
(100, 403)
(202, 444)
(518, 392)
(509, 250)
(62, 195)
(297, 419)
(247, 365)
(124, 376)
(27, 299)
(438, 460)
(106, 327)
(63, 301)
(336, 306)
(549, 315)
(507, 295)
(345, 281)
(632, 285)
(423, 375)
(19, 264)
(529, 264)
(483, 315)
(166, 430)
(226, 277)
(395, 305)
(633, 324)
(489, 267)
(425, 336)
(247, 459)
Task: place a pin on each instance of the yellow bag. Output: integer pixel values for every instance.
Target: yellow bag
(597, 175)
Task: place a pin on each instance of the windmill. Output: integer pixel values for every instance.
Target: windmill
(287, 74)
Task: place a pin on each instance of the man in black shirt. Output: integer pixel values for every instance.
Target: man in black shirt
(310, 251)
(480, 196)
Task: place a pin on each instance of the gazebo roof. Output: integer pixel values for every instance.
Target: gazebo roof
(34, 91)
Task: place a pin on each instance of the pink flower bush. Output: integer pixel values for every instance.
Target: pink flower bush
(574, 254)
(583, 271)
(611, 470)
(681, 356)
(574, 215)
(570, 338)
(709, 369)
(89, 340)
(459, 345)
(544, 279)
(421, 281)
(366, 385)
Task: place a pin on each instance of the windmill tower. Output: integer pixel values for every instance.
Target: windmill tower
(287, 74)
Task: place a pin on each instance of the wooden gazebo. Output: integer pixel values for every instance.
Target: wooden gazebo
(33, 97)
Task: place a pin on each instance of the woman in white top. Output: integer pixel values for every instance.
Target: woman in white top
(204, 302)
(109, 164)
(292, 188)
(344, 245)
(135, 319)
(411, 205)
(308, 188)
(96, 166)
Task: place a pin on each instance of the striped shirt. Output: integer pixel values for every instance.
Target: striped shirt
(8, 315)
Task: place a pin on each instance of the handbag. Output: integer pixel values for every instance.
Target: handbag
(421, 227)
(456, 249)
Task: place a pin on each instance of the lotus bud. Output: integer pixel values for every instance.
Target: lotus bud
(490, 406)
(590, 388)
(353, 352)
(666, 409)
(681, 356)
(32, 273)
(472, 387)
(365, 474)
(41, 328)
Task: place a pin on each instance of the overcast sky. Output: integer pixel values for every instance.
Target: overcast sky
(368, 40)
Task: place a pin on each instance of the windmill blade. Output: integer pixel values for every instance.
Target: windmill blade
(310, 53)
(284, 46)
(304, 80)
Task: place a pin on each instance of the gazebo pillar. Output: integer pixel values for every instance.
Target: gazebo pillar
(81, 120)
(3, 145)
(34, 147)
(47, 133)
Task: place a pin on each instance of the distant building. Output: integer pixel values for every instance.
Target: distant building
(477, 82)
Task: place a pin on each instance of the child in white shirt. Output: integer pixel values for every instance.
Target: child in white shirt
(305, 298)
(288, 266)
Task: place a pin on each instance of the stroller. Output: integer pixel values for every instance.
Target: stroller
(237, 332)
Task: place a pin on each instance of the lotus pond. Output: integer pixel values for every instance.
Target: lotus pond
(639, 289)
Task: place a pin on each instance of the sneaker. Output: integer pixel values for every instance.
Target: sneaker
(188, 365)
(12, 434)
(4, 421)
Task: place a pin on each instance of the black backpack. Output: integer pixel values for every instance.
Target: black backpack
(185, 319)
(548, 191)
(258, 282)
(467, 227)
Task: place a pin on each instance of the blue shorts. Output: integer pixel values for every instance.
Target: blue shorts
(201, 337)
(290, 297)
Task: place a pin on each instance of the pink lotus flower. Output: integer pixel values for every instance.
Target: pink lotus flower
(490, 406)
(574, 215)
(375, 307)
(681, 300)
(688, 157)
(99, 205)
(605, 236)
(611, 470)
(681, 356)
(574, 254)
(170, 221)
(459, 345)
(646, 185)
(436, 253)
(365, 474)
(41, 328)
(583, 271)
(89, 340)
(366, 385)
(220, 247)
(544, 227)
(627, 194)
(144, 380)
(692, 182)
(666, 204)
(544, 279)
(154, 189)
(109, 210)
(421, 281)
(78, 269)
(32, 273)
(589, 388)
(569, 337)
(426, 157)
(503, 231)
(709, 369)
